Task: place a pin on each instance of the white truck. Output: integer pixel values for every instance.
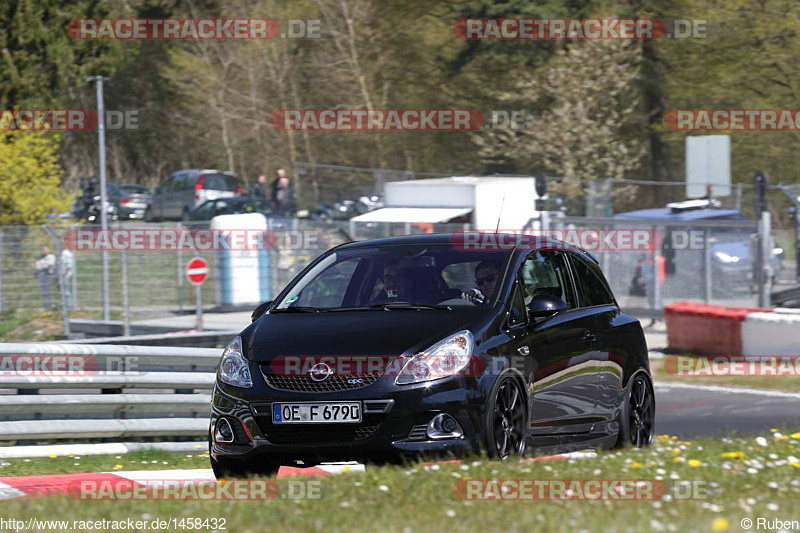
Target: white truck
(480, 203)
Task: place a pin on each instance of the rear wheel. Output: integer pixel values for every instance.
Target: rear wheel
(148, 215)
(506, 420)
(637, 424)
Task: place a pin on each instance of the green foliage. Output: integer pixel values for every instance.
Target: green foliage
(30, 178)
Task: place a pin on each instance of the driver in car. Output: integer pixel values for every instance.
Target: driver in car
(397, 283)
(487, 276)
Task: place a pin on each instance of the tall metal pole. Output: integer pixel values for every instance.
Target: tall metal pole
(101, 142)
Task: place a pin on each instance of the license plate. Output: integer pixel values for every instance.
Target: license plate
(316, 413)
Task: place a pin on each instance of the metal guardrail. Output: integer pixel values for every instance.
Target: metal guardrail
(121, 391)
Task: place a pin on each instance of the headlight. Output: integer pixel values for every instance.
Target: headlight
(726, 258)
(233, 368)
(446, 358)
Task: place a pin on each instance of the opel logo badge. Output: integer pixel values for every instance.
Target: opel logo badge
(320, 372)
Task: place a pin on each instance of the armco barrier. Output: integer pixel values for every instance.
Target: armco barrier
(705, 329)
(776, 333)
(171, 397)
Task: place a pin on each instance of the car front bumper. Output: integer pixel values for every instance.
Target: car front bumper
(381, 435)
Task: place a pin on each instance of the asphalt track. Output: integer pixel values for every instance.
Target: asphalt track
(691, 411)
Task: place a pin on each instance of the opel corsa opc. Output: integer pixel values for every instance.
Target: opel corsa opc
(431, 345)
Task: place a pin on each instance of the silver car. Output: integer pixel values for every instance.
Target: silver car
(186, 189)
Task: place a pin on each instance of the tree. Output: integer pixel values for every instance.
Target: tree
(591, 127)
(30, 178)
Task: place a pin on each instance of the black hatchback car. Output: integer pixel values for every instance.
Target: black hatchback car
(423, 345)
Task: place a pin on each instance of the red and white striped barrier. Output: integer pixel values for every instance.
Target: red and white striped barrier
(720, 330)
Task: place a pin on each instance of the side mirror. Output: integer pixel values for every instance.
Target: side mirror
(258, 311)
(545, 306)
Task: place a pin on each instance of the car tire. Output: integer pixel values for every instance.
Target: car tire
(506, 424)
(244, 470)
(185, 216)
(148, 215)
(637, 415)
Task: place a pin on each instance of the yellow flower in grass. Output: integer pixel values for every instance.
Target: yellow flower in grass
(795, 435)
(675, 451)
(773, 430)
(733, 455)
(694, 462)
(795, 464)
(636, 465)
(720, 524)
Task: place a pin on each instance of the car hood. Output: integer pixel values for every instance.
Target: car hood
(375, 332)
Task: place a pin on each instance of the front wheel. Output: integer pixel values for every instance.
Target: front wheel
(637, 424)
(506, 420)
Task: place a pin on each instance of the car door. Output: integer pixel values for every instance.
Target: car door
(561, 393)
(608, 355)
(159, 197)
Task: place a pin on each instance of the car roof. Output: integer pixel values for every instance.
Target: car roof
(665, 213)
(537, 242)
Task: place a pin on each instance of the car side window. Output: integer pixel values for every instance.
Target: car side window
(546, 272)
(593, 290)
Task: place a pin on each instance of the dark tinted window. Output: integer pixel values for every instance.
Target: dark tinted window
(546, 273)
(134, 189)
(220, 182)
(592, 289)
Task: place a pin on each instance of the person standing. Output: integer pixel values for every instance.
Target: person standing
(282, 194)
(259, 191)
(45, 266)
(67, 272)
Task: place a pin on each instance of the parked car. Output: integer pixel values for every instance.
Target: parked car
(130, 201)
(731, 249)
(421, 347)
(184, 190)
(237, 205)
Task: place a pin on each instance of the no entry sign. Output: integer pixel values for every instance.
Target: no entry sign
(197, 270)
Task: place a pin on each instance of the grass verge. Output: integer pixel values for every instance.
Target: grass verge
(733, 479)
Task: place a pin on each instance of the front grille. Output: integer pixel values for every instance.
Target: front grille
(330, 384)
(319, 433)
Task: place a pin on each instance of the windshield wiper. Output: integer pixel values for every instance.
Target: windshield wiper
(298, 309)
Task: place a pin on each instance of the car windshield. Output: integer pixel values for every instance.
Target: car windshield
(134, 189)
(413, 275)
(220, 182)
